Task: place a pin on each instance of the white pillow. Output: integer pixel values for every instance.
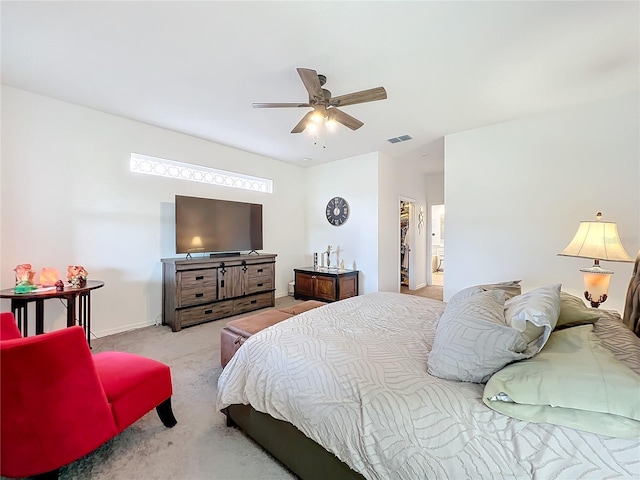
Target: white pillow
(539, 307)
(473, 341)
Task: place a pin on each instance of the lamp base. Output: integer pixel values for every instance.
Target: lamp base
(595, 304)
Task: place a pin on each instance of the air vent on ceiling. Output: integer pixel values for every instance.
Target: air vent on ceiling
(401, 138)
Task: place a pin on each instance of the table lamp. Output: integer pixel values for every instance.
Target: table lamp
(600, 241)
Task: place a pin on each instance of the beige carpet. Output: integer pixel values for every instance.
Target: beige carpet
(432, 291)
(200, 446)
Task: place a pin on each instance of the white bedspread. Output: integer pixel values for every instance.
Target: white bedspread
(352, 376)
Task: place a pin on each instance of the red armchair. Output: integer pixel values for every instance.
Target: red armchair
(59, 402)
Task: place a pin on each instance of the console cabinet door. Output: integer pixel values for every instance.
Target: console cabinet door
(305, 285)
(348, 286)
(325, 288)
(232, 282)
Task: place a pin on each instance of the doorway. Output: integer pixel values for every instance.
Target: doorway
(437, 245)
(405, 244)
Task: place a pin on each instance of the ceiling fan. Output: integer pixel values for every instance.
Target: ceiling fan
(324, 105)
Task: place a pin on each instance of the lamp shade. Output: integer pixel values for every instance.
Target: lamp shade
(596, 283)
(598, 241)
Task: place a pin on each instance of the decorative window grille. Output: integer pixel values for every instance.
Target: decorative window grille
(196, 173)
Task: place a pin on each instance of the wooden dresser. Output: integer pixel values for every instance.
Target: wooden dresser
(328, 285)
(200, 290)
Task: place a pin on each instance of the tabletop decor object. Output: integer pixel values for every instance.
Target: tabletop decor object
(49, 276)
(24, 278)
(328, 252)
(77, 276)
(600, 241)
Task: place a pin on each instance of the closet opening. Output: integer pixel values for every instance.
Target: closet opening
(405, 248)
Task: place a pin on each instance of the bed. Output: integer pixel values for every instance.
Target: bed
(342, 391)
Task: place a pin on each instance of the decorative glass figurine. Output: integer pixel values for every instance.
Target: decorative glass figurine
(77, 276)
(24, 278)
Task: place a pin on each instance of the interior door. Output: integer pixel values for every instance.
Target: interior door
(437, 245)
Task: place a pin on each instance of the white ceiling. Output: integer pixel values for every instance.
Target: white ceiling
(196, 67)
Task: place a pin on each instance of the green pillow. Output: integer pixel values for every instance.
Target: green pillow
(574, 381)
(574, 312)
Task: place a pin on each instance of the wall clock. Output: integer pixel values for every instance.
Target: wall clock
(337, 211)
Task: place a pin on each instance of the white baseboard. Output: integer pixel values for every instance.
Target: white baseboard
(123, 328)
(421, 285)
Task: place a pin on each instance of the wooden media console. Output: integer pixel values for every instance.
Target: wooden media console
(198, 290)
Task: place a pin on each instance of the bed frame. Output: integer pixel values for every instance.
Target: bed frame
(297, 452)
(309, 460)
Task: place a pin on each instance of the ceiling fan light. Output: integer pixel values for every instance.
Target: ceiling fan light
(331, 124)
(317, 118)
(312, 127)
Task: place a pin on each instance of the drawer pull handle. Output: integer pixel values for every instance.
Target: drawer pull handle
(198, 295)
(254, 301)
(208, 312)
(260, 284)
(199, 277)
(259, 270)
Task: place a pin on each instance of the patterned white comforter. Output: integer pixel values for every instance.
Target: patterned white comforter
(352, 376)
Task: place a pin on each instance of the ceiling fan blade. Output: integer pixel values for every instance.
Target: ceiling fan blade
(344, 118)
(302, 124)
(279, 105)
(311, 83)
(364, 96)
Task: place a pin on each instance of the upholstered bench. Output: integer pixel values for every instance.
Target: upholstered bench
(302, 307)
(234, 333)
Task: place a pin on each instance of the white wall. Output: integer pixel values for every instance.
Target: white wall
(373, 186)
(388, 226)
(435, 196)
(406, 184)
(515, 192)
(68, 197)
(356, 180)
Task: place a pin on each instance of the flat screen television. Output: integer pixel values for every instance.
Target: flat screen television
(217, 226)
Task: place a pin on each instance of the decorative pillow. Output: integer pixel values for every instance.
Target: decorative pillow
(511, 289)
(574, 312)
(533, 333)
(464, 295)
(541, 308)
(473, 341)
(574, 381)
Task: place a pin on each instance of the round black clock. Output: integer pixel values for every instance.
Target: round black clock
(337, 211)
